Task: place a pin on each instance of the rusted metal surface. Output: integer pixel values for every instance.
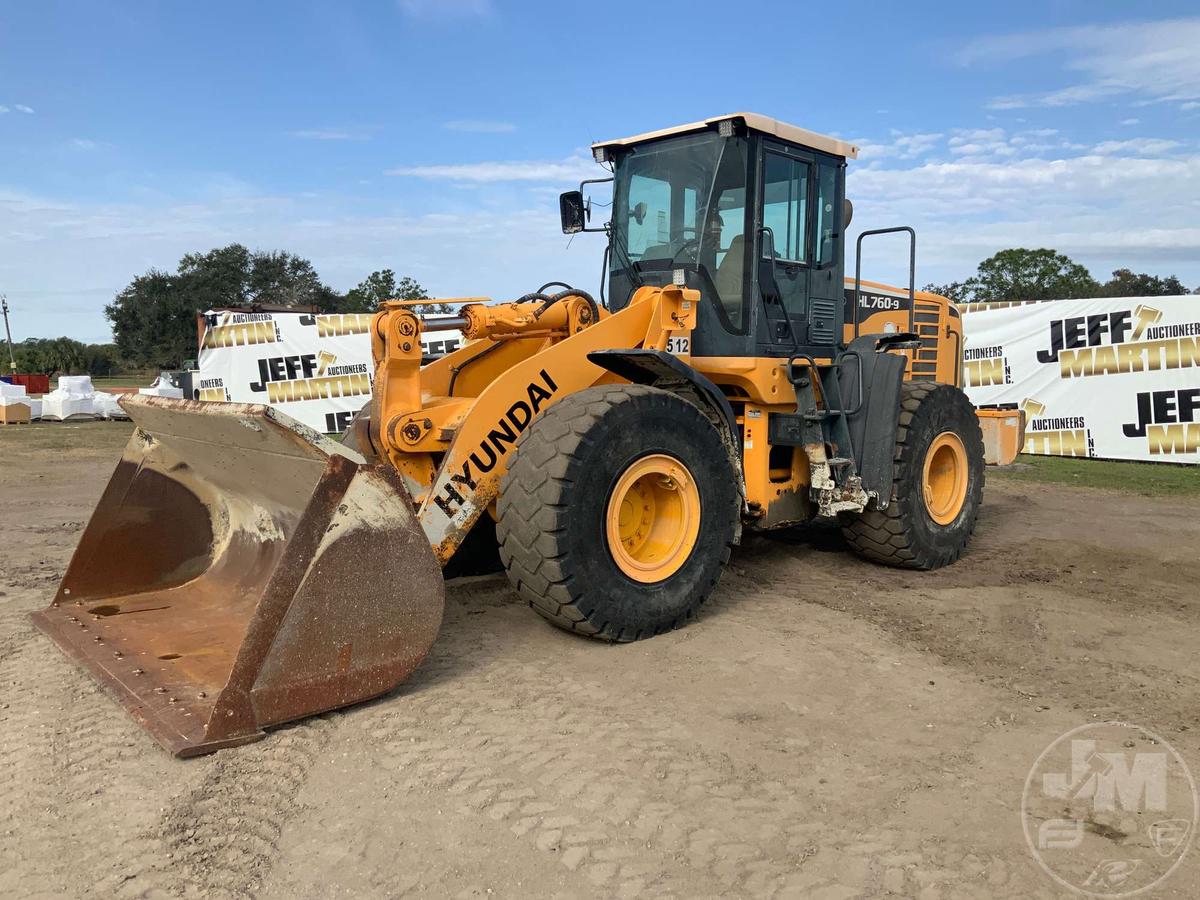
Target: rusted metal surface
(824, 490)
(241, 571)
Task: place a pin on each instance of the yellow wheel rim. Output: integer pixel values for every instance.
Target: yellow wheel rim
(945, 478)
(653, 518)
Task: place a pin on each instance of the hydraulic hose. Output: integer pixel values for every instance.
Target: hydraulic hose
(571, 292)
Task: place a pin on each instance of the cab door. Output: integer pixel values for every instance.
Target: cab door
(786, 187)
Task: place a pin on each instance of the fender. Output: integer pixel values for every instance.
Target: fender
(873, 426)
(666, 370)
(659, 368)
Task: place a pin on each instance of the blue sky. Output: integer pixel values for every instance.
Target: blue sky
(434, 137)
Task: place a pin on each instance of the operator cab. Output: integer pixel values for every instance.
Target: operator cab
(748, 210)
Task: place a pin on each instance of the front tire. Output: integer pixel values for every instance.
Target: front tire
(618, 511)
(937, 484)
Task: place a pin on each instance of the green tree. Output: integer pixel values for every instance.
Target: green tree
(235, 276)
(1021, 274)
(954, 291)
(1124, 283)
(383, 285)
(154, 318)
(64, 356)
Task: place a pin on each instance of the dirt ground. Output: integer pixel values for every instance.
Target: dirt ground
(826, 728)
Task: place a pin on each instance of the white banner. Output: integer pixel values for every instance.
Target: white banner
(315, 368)
(1113, 378)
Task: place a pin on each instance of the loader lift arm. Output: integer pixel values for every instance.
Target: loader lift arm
(450, 430)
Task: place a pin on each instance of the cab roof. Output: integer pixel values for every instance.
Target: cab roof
(753, 121)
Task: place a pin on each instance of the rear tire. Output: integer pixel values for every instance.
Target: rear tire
(937, 483)
(629, 464)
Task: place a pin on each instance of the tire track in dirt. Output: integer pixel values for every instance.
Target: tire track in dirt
(222, 834)
(62, 743)
(628, 802)
(940, 613)
(73, 766)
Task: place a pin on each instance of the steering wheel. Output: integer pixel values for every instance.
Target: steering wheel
(693, 242)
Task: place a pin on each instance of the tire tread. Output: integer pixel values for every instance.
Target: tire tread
(888, 536)
(534, 503)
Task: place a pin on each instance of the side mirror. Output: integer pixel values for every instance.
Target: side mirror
(573, 211)
(638, 213)
(847, 213)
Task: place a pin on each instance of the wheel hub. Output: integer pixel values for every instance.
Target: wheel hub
(944, 481)
(653, 518)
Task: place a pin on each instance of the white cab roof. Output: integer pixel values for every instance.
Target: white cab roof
(754, 121)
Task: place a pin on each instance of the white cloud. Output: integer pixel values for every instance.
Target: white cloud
(1133, 121)
(573, 168)
(1151, 61)
(1189, 106)
(1111, 206)
(899, 145)
(3, 110)
(1142, 147)
(480, 126)
(983, 142)
(84, 143)
(446, 9)
(332, 134)
(22, 108)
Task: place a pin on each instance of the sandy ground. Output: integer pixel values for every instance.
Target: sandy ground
(826, 729)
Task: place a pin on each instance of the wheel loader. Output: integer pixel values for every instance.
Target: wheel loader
(241, 571)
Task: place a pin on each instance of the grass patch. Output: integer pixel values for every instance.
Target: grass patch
(1147, 479)
(108, 382)
(65, 437)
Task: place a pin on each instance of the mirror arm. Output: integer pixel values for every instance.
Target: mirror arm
(589, 204)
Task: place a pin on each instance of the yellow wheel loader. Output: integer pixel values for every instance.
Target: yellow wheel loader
(241, 570)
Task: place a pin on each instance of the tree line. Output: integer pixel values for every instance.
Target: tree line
(65, 356)
(1021, 274)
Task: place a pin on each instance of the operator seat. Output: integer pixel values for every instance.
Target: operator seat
(730, 279)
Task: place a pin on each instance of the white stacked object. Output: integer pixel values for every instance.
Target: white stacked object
(15, 406)
(106, 406)
(163, 387)
(72, 400)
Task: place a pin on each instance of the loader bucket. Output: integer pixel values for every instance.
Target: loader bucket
(241, 571)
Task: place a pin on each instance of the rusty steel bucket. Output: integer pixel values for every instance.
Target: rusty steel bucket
(241, 571)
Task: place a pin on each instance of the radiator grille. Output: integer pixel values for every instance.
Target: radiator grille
(927, 320)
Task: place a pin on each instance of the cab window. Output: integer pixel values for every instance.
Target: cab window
(826, 214)
(649, 218)
(785, 206)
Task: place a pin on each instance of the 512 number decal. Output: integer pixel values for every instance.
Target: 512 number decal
(680, 346)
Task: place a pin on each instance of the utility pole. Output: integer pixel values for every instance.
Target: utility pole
(12, 360)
